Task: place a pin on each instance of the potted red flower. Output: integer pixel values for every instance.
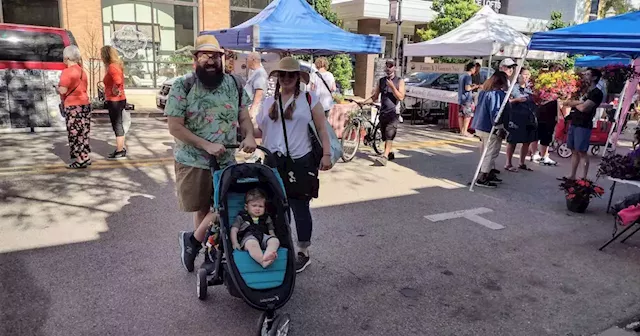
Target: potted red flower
(579, 193)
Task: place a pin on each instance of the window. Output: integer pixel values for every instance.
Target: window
(243, 10)
(154, 38)
(594, 7)
(31, 12)
(27, 46)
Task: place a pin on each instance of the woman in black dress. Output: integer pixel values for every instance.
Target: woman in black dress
(521, 122)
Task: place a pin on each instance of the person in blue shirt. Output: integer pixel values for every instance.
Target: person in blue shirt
(465, 98)
(520, 121)
(489, 101)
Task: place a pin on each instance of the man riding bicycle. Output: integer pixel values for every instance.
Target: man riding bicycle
(391, 91)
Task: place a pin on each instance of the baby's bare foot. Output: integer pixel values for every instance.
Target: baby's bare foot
(268, 259)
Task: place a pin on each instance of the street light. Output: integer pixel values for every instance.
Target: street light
(395, 15)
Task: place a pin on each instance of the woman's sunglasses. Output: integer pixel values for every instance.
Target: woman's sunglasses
(285, 74)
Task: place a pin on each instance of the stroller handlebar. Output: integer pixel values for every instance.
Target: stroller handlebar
(214, 163)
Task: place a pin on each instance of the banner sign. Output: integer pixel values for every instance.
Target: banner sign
(435, 67)
(432, 94)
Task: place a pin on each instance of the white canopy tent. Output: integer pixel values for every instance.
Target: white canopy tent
(484, 34)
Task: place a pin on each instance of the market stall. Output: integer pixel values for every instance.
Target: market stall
(485, 35)
(614, 37)
(294, 27)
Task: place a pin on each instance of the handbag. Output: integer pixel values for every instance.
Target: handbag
(61, 105)
(316, 144)
(300, 176)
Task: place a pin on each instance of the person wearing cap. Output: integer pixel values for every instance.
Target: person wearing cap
(507, 66)
(391, 91)
(292, 110)
(204, 110)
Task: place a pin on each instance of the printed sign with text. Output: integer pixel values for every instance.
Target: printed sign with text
(436, 67)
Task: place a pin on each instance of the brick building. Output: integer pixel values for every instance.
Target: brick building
(149, 33)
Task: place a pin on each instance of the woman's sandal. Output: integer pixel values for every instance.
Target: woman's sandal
(524, 167)
(79, 165)
(511, 169)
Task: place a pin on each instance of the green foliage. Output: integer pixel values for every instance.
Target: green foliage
(556, 22)
(619, 6)
(451, 14)
(339, 65)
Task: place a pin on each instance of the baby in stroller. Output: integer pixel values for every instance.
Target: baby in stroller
(253, 230)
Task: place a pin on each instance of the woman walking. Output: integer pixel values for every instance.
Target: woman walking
(489, 101)
(324, 85)
(521, 122)
(115, 98)
(77, 109)
(283, 124)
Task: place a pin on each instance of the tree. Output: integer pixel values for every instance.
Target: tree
(451, 14)
(619, 6)
(556, 22)
(340, 64)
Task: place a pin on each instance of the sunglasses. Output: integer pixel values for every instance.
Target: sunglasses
(285, 74)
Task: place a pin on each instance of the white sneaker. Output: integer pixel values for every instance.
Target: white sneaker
(548, 161)
(400, 118)
(536, 157)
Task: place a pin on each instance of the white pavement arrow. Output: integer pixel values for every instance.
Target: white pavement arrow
(470, 214)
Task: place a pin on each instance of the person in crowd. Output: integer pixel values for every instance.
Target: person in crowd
(476, 78)
(299, 109)
(203, 111)
(465, 98)
(489, 101)
(547, 114)
(581, 117)
(77, 108)
(324, 84)
(507, 66)
(391, 91)
(256, 86)
(520, 121)
(115, 99)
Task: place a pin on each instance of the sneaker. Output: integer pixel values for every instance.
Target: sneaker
(548, 161)
(382, 160)
(188, 250)
(116, 155)
(494, 179)
(536, 157)
(302, 261)
(392, 156)
(486, 184)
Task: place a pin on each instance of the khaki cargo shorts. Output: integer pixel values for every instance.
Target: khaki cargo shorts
(194, 187)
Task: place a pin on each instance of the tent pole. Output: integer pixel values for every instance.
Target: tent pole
(493, 128)
(616, 121)
(489, 64)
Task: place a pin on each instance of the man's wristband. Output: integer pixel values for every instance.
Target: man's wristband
(326, 154)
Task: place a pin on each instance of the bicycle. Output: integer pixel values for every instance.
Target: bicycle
(352, 135)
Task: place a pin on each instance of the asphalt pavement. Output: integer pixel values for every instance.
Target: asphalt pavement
(95, 252)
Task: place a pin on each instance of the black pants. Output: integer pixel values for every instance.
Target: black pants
(116, 109)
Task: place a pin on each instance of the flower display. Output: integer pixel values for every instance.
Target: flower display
(621, 166)
(550, 86)
(581, 189)
(617, 74)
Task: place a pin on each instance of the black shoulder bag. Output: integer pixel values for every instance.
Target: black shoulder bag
(300, 176)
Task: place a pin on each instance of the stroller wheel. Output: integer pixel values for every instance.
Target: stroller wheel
(564, 151)
(280, 326)
(595, 150)
(264, 324)
(201, 284)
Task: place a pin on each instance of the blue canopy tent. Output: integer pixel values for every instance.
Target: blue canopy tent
(599, 62)
(617, 36)
(294, 26)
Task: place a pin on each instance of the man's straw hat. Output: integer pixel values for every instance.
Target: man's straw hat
(207, 43)
(290, 64)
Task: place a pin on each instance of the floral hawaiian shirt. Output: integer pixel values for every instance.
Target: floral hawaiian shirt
(209, 114)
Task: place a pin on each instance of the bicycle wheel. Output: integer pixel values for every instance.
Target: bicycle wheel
(350, 141)
(377, 143)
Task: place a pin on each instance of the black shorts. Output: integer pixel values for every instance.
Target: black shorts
(545, 133)
(389, 127)
(115, 115)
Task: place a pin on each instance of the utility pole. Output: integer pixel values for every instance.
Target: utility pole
(399, 35)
